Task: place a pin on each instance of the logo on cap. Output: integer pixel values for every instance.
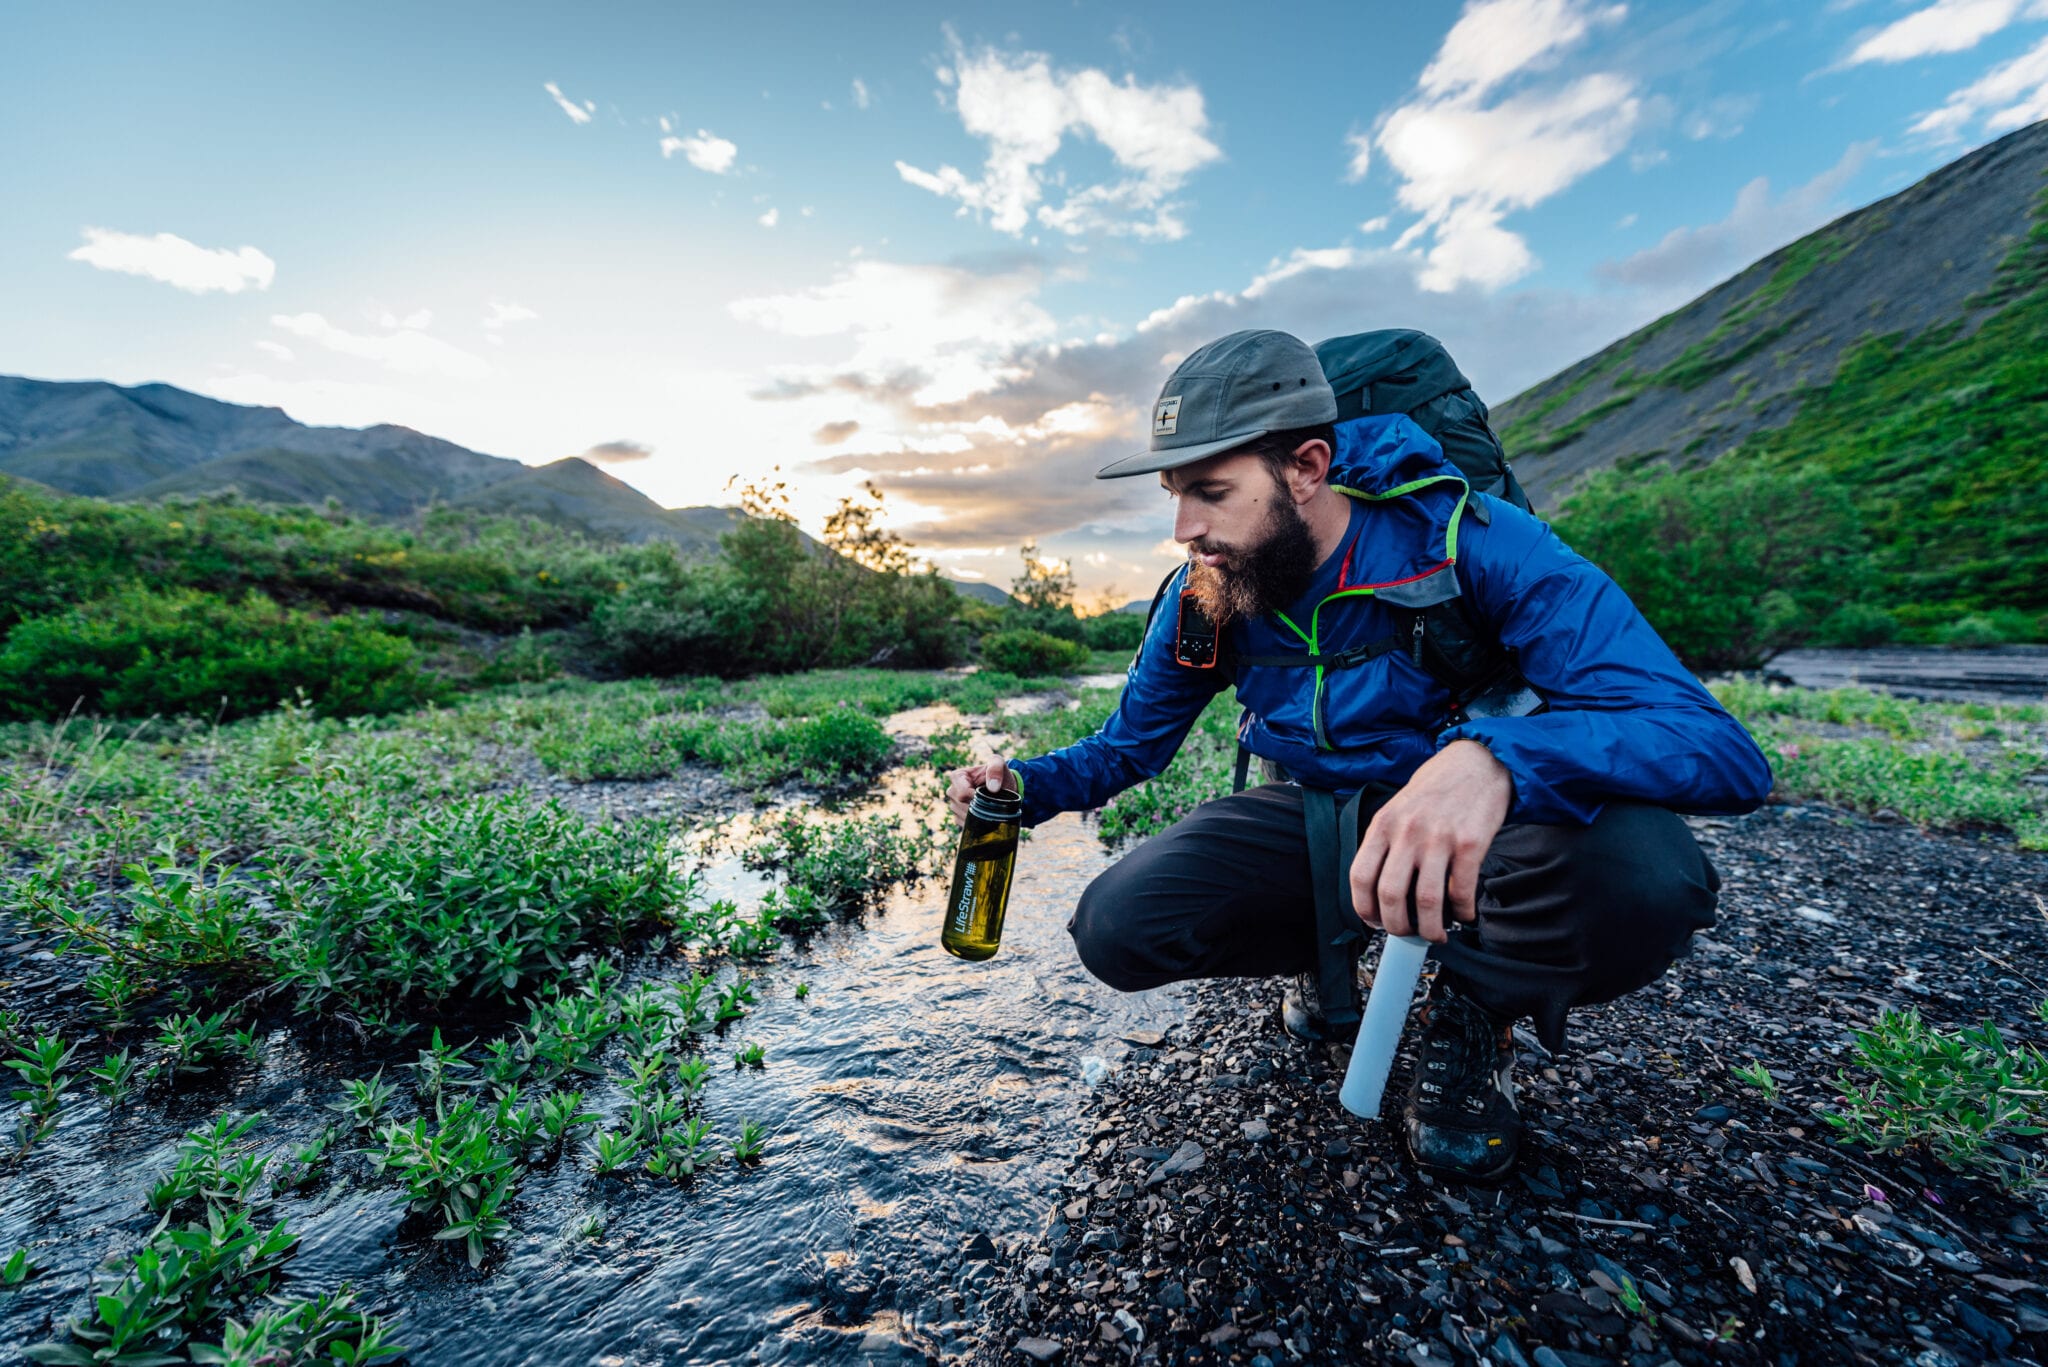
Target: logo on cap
(1166, 417)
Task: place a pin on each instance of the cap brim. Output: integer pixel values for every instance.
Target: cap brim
(1145, 462)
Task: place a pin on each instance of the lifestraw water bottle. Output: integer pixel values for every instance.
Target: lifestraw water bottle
(982, 867)
(1379, 1032)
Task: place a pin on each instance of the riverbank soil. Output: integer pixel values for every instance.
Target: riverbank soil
(1224, 1209)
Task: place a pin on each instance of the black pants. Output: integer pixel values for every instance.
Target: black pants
(1568, 915)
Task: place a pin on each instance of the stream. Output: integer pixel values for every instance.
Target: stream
(914, 1101)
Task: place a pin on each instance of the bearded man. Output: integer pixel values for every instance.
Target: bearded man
(1541, 854)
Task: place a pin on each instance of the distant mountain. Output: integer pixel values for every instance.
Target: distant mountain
(155, 441)
(1747, 356)
(980, 590)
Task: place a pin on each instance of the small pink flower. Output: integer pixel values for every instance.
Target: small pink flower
(1933, 1197)
(1873, 1194)
(1789, 751)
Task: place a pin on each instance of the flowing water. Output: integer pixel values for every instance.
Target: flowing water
(915, 1101)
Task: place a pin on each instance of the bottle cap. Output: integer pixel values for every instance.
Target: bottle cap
(996, 806)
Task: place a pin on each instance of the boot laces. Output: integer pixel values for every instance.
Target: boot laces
(1461, 1053)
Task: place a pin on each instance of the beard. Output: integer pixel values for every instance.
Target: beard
(1271, 573)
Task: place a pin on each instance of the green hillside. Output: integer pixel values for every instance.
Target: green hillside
(1896, 360)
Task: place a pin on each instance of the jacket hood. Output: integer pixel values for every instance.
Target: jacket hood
(1378, 455)
(1416, 494)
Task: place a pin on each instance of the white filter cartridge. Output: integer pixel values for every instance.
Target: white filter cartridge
(1379, 1033)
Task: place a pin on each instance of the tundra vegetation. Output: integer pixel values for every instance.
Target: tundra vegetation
(289, 771)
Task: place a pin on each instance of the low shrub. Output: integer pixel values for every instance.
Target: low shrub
(140, 651)
(840, 865)
(472, 900)
(1031, 653)
(1113, 631)
(1971, 1099)
(1857, 626)
(1730, 563)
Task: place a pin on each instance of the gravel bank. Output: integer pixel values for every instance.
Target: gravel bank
(1223, 1209)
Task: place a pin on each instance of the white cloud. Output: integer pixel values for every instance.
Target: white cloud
(408, 351)
(936, 334)
(1495, 40)
(578, 113)
(1465, 162)
(277, 349)
(176, 262)
(1015, 453)
(861, 98)
(1691, 258)
(770, 219)
(1156, 135)
(1625, 222)
(1374, 225)
(707, 151)
(1724, 116)
(418, 320)
(503, 315)
(1944, 26)
(1361, 155)
(2011, 94)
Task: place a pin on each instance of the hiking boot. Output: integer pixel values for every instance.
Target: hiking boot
(1461, 1117)
(1301, 1013)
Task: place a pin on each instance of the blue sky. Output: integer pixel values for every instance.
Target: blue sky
(951, 249)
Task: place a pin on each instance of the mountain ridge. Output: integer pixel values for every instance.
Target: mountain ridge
(152, 441)
(1745, 356)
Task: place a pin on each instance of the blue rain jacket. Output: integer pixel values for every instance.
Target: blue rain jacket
(1626, 720)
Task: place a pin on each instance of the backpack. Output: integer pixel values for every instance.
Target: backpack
(1400, 370)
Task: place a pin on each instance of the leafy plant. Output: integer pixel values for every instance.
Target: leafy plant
(192, 1280)
(1757, 1076)
(681, 1150)
(362, 1103)
(842, 865)
(1963, 1094)
(691, 1075)
(616, 1151)
(734, 1001)
(114, 1077)
(750, 1056)
(302, 1167)
(459, 1171)
(750, 1144)
(439, 1067)
(17, 1269)
(40, 1065)
(1632, 1301)
(561, 1115)
(194, 1043)
(475, 898)
(214, 1165)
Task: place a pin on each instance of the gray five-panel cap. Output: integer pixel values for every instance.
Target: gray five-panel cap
(1234, 390)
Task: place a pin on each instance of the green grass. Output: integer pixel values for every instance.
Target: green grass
(1902, 756)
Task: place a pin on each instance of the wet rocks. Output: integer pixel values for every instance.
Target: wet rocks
(1185, 1159)
(1652, 1177)
(1039, 1350)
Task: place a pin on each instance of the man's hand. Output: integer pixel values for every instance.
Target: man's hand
(1429, 839)
(993, 775)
